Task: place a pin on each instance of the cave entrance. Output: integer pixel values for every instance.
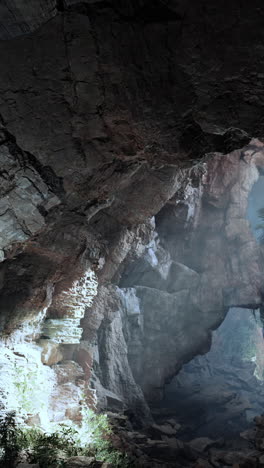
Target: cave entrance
(218, 394)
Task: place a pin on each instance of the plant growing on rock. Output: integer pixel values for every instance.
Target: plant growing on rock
(9, 440)
(52, 450)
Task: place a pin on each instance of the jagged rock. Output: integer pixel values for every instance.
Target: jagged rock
(51, 353)
(231, 458)
(28, 465)
(136, 436)
(201, 444)
(120, 417)
(202, 464)
(163, 429)
(130, 111)
(249, 434)
(83, 462)
(68, 371)
(173, 423)
(34, 420)
(65, 402)
(109, 400)
(113, 402)
(182, 277)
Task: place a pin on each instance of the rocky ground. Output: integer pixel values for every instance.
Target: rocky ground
(221, 392)
(161, 446)
(209, 415)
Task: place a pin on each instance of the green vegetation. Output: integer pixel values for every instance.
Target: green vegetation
(28, 388)
(52, 450)
(9, 441)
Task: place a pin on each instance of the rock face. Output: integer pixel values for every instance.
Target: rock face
(40, 379)
(155, 448)
(104, 109)
(220, 393)
(202, 260)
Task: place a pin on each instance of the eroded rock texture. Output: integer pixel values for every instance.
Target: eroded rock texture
(202, 260)
(220, 393)
(105, 107)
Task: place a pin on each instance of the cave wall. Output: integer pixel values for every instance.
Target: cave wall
(106, 98)
(104, 108)
(202, 260)
(221, 393)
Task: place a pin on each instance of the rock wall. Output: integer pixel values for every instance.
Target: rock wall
(40, 380)
(221, 392)
(202, 259)
(104, 108)
(163, 287)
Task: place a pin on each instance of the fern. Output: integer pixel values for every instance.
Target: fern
(52, 450)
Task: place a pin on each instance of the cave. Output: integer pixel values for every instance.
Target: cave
(131, 245)
(220, 393)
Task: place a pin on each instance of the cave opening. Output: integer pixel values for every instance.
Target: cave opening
(219, 394)
(255, 205)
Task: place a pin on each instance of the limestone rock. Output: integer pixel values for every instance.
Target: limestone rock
(51, 353)
(163, 429)
(182, 277)
(28, 465)
(202, 464)
(83, 462)
(68, 371)
(124, 129)
(202, 444)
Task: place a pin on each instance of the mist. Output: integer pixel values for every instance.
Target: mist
(219, 394)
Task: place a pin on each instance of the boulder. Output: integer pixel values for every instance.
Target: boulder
(28, 465)
(162, 429)
(51, 353)
(202, 464)
(83, 462)
(201, 444)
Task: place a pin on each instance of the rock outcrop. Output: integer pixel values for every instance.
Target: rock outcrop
(154, 447)
(202, 260)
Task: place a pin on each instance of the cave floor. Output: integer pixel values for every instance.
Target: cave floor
(219, 405)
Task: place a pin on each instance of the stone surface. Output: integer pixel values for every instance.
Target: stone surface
(163, 429)
(51, 353)
(104, 109)
(202, 452)
(83, 462)
(28, 465)
(218, 267)
(219, 394)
